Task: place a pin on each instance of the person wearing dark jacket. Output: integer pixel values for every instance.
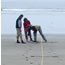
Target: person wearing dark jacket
(18, 28)
(27, 29)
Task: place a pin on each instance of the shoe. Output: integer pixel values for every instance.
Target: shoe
(34, 41)
(31, 39)
(18, 41)
(45, 40)
(23, 42)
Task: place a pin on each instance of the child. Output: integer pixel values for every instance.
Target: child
(27, 29)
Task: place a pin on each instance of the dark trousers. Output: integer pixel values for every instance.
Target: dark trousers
(28, 33)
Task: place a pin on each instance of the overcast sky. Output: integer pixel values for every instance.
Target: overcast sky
(51, 21)
(33, 4)
(32, 0)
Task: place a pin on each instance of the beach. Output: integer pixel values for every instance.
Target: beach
(31, 53)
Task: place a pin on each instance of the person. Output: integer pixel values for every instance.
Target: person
(18, 29)
(27, 29)
(36, 28)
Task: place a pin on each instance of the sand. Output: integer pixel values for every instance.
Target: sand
(31, 53)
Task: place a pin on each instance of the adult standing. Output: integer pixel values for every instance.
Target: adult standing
(18, 29)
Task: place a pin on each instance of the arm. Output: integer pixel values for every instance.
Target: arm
(20, 24)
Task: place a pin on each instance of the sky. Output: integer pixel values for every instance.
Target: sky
(32, 0)
(33, 4)
(49, 14)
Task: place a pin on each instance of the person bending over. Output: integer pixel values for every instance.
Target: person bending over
(36, 28)
(27, 29)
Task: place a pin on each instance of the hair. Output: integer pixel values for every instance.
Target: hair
(25, 19)
(20, 16)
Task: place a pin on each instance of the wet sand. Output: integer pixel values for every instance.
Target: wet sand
(31, 53)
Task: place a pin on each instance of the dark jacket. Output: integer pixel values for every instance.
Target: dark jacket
(18, 23)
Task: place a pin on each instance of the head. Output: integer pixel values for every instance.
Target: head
(21, 16)
(25, 19)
